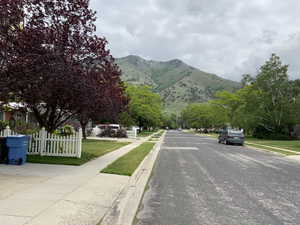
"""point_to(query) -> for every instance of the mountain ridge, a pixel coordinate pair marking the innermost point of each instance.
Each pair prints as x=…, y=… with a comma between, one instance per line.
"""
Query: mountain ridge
x=177, y=82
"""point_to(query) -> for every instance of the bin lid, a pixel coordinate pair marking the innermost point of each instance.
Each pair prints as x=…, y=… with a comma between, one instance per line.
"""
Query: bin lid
x=17, y=136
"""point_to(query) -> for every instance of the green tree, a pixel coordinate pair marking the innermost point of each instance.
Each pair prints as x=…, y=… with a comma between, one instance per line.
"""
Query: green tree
x=276, y=99
x=172, y=121
x=267, y=105
x=145, y=107
x=204, y=115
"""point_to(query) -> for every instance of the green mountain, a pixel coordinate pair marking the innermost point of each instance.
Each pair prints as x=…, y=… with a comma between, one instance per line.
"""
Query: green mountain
x=178, y=83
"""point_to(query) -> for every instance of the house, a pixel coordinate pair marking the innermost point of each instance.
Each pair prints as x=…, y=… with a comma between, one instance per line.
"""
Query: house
x=15, y=112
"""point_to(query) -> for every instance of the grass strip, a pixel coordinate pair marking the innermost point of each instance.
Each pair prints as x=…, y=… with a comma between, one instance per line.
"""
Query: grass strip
x=154, y=139
x=271, y=149
x=91, y=149
x=211, y=135
x=127, y=164
x=293, y=145
x=145, y=133
x=158, y=135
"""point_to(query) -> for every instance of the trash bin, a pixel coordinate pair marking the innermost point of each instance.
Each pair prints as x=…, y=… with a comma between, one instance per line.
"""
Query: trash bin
x=17, y=149
x=3, y=150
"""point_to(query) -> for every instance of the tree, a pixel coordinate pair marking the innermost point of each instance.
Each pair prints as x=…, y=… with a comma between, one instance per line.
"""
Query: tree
x=50, y=58
x=267, y=104
x=101, y=101
x=247, y=80
x=276, y=100
x=204, y=115
x=144, y=106
x=171, y=121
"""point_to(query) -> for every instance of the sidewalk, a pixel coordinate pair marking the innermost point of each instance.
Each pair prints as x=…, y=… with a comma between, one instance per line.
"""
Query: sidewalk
x=39, y=194
x=125, y=207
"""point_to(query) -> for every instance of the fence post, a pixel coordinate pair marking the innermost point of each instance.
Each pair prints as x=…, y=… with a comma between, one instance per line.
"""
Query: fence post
x=7, y=131
x=79, y=143
x=43, y=137
x=135, y=132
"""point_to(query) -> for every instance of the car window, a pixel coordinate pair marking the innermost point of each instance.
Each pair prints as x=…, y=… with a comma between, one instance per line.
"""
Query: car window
x=236, y=133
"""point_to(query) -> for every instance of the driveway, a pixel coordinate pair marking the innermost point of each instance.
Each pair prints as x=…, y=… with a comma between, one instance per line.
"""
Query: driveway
x=197, y=181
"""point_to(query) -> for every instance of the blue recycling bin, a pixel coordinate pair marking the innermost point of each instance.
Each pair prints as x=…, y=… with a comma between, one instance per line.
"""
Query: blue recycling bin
x=17, y=149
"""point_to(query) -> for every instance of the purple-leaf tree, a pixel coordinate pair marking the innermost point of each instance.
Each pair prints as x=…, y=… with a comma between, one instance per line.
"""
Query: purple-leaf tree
x=47, y=61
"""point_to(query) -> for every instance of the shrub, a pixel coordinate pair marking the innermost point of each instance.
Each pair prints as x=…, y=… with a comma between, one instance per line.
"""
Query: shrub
x=3, y=125
x=21, y=127
x=66, y=130
x=108, y=133
x=262, y=133
x=121, y=133
x=89, y=131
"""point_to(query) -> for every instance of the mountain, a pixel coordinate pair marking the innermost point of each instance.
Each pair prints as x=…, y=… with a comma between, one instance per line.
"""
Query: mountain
x=176, y=82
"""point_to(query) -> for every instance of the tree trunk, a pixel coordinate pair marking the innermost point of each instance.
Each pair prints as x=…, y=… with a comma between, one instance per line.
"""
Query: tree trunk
x=83, y=126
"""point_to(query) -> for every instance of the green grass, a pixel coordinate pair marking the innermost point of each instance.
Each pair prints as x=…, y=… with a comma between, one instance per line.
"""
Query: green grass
x=270, y=149
x=213, y=135
x=127, y=164
x=145, y=133
x=154, y=139
x=91, y=149
x=158, y=135
x=190, y=131
x=289, y=144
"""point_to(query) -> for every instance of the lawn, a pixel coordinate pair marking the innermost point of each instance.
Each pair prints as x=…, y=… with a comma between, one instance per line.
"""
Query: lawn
x=158, y=135
x=127, y=164
x=91, y=149
x=213, y=135
x=146, y=133
x=270, y=149
x=290, y=144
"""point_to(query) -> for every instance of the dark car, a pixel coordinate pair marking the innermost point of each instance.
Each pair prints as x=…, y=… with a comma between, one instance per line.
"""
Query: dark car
x=231, y=137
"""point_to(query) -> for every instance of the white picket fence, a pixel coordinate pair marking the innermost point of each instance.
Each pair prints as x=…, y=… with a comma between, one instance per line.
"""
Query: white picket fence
x=47, y=144
x=132, y=133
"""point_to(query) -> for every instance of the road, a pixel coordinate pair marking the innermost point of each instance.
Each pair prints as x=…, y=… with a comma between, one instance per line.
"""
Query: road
x=197, y=181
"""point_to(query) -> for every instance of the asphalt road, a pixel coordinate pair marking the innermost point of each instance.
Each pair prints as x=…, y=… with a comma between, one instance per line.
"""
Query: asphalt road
x=198, y=181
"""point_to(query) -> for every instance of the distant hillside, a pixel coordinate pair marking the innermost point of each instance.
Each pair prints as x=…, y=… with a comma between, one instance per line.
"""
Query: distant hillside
x=177, y=82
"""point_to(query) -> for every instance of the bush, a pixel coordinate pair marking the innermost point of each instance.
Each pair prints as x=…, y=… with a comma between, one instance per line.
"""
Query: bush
x=3, y=125
x=66, y=130
x=262, y=133
x=21, y=127
x=89, y=132
x=120, y=133
x=108, y=133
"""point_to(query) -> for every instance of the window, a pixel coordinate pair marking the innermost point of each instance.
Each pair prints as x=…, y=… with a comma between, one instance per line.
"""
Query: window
x=1, y=115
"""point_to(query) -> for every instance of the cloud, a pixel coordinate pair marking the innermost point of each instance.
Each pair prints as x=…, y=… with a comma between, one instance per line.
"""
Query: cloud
x=226, y=37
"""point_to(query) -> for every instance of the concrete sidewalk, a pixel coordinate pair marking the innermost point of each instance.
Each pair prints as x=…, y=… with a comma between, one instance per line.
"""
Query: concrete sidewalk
x=39, y=194
x=124, y=209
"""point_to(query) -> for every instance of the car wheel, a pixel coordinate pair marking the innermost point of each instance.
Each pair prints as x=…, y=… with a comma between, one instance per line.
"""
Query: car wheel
x=226, y=142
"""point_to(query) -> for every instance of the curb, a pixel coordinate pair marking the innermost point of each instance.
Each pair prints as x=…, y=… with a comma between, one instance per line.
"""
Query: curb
x=125, y=207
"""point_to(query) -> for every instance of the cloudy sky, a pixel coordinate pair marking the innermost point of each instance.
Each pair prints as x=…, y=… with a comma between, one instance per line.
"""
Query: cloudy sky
x=225, y=37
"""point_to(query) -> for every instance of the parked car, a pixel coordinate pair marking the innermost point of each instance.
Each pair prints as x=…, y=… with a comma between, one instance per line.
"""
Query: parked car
x=98, y=129
x=230, y=136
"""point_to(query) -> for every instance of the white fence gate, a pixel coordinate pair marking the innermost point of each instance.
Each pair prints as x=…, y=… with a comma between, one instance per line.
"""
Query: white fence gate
x=46, y=144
